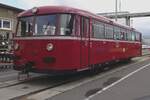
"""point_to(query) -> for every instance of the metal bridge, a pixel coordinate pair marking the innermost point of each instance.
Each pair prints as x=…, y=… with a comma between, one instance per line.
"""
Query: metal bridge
x=125, y=15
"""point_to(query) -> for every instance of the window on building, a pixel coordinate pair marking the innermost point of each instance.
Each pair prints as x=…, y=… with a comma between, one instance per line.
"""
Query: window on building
x=108, y=31
x=98, y=29
x=5, y=24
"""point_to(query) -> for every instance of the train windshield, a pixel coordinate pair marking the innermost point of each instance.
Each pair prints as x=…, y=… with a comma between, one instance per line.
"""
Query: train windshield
x=46, y=25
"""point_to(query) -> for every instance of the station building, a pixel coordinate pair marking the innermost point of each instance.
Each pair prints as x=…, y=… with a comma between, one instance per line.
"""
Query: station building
x=8, y=20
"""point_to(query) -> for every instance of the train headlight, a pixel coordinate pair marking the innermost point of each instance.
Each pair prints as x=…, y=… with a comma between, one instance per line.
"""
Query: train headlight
x=49, y=47
x=16, y=46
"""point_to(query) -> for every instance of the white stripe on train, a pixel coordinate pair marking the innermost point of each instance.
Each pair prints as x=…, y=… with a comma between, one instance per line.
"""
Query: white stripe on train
x=69, y=38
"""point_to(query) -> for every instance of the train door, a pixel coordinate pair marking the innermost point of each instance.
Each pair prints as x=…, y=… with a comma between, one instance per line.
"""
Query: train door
x=84, y=30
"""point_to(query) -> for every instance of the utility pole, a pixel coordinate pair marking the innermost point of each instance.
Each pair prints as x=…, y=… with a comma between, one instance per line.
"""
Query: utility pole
x=119, y=5
x=116, y=9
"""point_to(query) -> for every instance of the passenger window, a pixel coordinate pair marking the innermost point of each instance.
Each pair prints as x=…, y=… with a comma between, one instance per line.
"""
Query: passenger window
x=133, y=36
x=137, y=37
x=125, y=35
x=109, y=31
x=116, y=33
x=122, y=34
x=98, y=29
x=129, y=35
x=77, y=26
x=84, y=26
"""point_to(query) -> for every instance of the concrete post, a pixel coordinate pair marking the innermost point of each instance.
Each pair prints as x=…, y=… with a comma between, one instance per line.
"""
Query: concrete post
x=127, y=20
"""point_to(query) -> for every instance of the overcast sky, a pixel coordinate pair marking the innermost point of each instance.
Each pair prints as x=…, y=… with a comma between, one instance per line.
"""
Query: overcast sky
x=95, y=6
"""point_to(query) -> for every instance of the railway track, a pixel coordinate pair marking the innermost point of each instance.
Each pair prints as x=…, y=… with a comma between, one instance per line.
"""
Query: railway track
x=23, y=89
x=74, y=79
x=34, y=85
x=18, y=90
x=52, y=93
x=14, y=81
x=58, y=83
x=52, y=83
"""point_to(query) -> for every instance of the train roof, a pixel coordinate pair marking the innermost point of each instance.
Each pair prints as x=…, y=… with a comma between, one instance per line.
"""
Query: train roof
x=59, y=9
x=63, y=9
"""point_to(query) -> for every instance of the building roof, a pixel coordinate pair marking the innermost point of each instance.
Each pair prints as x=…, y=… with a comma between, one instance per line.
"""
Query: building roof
x=10, y=7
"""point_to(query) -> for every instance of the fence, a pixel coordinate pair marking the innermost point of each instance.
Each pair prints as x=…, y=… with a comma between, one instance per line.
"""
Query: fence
x=6, y=61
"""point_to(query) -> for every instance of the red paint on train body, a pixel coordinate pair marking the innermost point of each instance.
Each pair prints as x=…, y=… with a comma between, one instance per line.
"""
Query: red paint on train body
x=74, y=43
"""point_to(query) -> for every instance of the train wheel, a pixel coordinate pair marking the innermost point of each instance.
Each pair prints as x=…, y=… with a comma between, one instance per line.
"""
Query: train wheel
x=128, y=60
x=95, y=69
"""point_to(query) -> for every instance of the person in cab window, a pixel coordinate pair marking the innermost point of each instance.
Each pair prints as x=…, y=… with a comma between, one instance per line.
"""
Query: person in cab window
x=49, y=30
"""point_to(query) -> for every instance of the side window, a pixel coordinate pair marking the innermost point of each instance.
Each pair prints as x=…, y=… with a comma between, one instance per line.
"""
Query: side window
x=133, y=36
x=26, y=26
x=86, y=24
x=117, y=33
x=84, y=27
x=77, y=26
x=66, y=24
x=98, y=29
x=129, y=35
x=108, y=31
x=123, y=34
x=137, y=36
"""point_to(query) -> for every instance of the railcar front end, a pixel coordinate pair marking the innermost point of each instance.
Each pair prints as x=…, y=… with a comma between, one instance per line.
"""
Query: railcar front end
x=46, y=44
x=65, y=40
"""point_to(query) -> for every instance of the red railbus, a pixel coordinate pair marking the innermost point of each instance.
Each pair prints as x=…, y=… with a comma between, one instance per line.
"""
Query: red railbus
x=56, y=39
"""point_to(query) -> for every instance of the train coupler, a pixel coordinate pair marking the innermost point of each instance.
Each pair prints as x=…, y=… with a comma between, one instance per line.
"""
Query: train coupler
x=24, y=74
